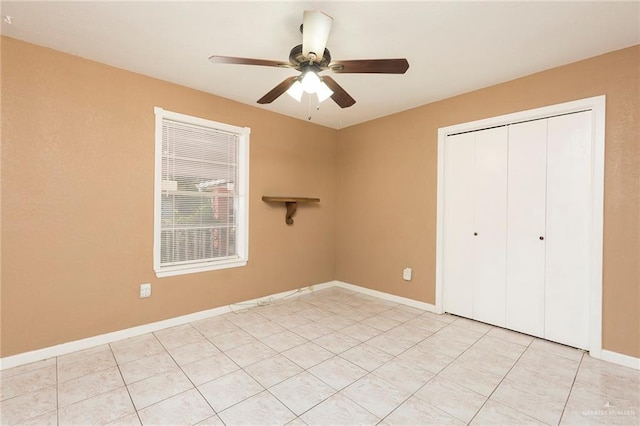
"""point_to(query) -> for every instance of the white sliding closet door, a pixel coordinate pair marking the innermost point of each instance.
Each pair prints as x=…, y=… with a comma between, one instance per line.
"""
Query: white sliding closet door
x=526, y=224
x=567, y=240
x=490, y=225
x=458, y=227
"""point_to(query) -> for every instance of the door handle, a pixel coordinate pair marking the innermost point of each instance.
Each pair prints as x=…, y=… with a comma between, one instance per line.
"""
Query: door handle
x=541, y=238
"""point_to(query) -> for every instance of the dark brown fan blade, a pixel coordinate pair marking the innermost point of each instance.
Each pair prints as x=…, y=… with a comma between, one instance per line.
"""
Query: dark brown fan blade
x=372, y=66
x=277, y=91
x=248, y=61
x=340, y=96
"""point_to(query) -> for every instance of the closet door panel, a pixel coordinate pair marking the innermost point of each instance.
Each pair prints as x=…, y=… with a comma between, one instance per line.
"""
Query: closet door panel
x=458, y=224
x=567, y=242
x=526, y=196
x=490, y=210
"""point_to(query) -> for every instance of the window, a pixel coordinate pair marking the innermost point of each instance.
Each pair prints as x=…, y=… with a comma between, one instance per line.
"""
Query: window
x=201, y=195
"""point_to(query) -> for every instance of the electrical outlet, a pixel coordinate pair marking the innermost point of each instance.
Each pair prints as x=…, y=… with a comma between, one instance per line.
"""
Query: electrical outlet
x=145, y=290
x=406, y=274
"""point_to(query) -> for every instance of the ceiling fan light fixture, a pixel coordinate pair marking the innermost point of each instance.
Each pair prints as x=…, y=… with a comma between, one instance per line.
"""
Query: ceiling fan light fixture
x=310, y=82
x=311, y=58
x=323, y=92
x=295, y=91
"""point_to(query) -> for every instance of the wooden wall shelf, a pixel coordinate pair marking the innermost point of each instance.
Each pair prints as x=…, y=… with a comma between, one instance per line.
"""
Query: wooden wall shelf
x=291, y=203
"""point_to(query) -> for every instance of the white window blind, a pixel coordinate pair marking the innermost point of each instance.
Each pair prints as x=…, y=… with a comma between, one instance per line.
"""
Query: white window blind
x=201, y=219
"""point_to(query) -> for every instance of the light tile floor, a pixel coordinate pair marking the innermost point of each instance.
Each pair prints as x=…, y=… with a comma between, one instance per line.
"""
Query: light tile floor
x=331, y=357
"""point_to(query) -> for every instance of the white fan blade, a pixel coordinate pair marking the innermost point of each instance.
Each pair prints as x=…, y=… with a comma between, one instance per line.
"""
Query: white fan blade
x=315, y=32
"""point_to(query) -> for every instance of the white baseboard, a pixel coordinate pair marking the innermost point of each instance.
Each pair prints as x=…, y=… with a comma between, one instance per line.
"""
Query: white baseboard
x=89, y=342
x=605, y=355
x=620, y=359
x=392, y=297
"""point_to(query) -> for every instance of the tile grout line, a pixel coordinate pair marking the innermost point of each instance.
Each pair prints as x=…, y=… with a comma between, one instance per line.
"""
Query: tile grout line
x=436, y=374
x=499, y=383
x=137, y=381
x=573, y=382
x=58, y=382
x=240, y=368
x=281, y=354
x=333, y=356
x=15, y=376
x=135, y=409
x=312, y=321
x=393, y=358
x=189, y=378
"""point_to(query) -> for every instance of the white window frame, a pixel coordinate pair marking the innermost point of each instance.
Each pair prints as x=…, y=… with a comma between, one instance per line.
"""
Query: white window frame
x=242, y=231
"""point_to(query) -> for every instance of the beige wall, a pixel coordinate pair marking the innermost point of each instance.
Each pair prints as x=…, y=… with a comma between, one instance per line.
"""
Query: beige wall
x=77, y=201
x=386, y=197
x=77, y=195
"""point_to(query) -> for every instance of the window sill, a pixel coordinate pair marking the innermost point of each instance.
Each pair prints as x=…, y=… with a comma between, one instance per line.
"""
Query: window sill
x=170, y=271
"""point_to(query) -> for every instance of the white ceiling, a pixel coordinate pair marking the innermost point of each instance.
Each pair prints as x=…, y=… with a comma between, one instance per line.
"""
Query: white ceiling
x=452, y=47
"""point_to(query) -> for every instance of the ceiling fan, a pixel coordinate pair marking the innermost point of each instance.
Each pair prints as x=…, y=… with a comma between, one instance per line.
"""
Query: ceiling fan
x=305, y=58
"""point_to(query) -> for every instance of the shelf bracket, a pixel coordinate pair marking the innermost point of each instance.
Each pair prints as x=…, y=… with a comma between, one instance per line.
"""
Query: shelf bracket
x=292, y=206
x=291, y=203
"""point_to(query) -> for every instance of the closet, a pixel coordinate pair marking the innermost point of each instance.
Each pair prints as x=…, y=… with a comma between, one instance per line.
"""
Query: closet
x=516, y=226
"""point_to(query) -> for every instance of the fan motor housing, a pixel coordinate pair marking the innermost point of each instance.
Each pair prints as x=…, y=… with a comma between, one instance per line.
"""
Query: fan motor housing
x=299, y=61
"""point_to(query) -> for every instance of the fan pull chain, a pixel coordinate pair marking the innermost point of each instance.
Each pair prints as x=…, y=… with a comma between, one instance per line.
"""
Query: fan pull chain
x=309, y=107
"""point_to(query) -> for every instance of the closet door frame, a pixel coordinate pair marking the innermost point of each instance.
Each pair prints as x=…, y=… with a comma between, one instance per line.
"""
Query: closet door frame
x=597, y=107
